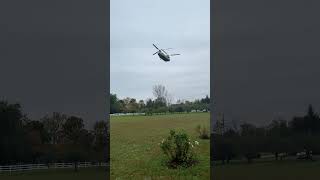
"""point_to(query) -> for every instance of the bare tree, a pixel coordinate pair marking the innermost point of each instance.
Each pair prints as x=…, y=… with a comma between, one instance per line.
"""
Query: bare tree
x=160, y=93
x=169, y=99
x=53, y=125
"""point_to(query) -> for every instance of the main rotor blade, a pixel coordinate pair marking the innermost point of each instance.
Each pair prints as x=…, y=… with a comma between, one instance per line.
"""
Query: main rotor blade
x=167, y=49
x=174, y=54
x=164, y=51
x=156, y=53
x=155, y=46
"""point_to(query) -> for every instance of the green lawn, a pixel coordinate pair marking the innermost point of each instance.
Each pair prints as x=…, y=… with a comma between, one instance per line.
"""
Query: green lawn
x=135, y=153
x=286, y=170
x=61, y=174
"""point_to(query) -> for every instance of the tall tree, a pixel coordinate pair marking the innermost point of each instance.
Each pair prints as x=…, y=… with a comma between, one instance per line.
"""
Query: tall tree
x=141, y=105
x=160, y=93
x=72, y=129
x=149, y=106
x=308, y=124
x=13, y=144
x=114, y=104
x=169, y=99
x=101, y=139
x=36, y=132
x=132, y=106
x=149, y=103
x=206, y=100
x=101, y=134
x=312, y=121
x=122, y=106
x=53, y=125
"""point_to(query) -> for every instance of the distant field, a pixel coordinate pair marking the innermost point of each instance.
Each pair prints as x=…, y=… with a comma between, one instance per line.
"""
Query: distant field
x=135, y=153
x=285, y=170
x=61, y=174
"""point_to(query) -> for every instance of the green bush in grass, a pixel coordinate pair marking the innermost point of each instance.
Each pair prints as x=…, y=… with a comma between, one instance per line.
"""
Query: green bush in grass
x=179, y=149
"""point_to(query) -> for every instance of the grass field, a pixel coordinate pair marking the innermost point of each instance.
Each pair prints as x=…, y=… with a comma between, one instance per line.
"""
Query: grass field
x=61, y=174
x=135, y=153
x=285, y=170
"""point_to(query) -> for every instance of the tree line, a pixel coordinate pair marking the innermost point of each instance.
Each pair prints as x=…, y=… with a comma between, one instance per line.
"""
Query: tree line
x=162, y=103
x=54, y=138
x=280, y=136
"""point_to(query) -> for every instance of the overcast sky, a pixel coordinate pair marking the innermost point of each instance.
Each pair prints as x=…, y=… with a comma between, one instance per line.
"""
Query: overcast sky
x=53, y=57
x=266, y=59
x=183, y=25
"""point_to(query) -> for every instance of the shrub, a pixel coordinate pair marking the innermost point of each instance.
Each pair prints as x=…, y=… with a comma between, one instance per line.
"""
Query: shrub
x=203, y=132
x=179, y=149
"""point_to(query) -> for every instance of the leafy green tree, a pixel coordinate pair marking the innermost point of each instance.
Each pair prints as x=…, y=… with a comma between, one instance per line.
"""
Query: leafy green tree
x=308, y=124
x=114, y=104
x=149, y=106
x=122, y=106
x=13, y=146
x=312, y=121
x=72, y=129
x=141, y=105
x=205, y=100
x=159, y=102
x=101, y=139
x=132, y=106
x=179, y=108
x=101, y=136
x=36, y=132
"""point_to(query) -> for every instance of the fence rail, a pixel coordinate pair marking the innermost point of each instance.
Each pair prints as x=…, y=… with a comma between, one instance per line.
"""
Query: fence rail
x=157, y=113
x=30, y=167
x=127, y=114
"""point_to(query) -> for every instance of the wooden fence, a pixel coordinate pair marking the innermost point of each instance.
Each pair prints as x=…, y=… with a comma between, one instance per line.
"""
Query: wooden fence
x=31, y=167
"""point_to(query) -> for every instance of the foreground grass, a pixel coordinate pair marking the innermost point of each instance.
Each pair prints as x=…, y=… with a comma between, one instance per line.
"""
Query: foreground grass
x=286, y=170
x=60, y=174
x=135, y=153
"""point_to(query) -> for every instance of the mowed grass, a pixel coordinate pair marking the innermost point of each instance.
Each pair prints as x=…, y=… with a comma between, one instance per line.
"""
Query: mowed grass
x=60, y=174
x=286, y=170
x=135, y=152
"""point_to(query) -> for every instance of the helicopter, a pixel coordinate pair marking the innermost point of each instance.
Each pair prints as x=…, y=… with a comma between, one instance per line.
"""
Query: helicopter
x=163, y=54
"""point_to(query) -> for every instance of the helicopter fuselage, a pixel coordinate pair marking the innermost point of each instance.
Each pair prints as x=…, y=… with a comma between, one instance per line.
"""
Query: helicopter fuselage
x=164, y=56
